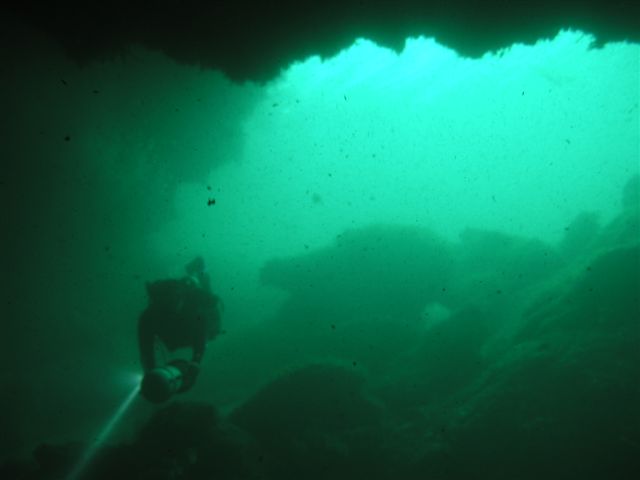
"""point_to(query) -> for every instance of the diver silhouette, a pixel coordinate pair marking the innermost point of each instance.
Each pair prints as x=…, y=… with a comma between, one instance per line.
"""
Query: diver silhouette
x=182, y=313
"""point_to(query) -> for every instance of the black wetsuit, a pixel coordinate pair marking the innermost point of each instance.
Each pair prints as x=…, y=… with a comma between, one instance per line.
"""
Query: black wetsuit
x=181, y=313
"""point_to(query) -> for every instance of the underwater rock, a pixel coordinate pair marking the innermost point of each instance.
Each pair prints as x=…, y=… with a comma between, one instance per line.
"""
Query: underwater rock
x=580, y=235
x=631, y=193
x=602, y=298
x=496, y=266
x=179, y=426
x=380, y=269
x=557, y=407
x=318, y=397
x=190, y=441
x=311, y=423
x=562, y=400
x=252, y=41
x=361, y=298
x=447, y=359
x=625, y=228
x=183, y=441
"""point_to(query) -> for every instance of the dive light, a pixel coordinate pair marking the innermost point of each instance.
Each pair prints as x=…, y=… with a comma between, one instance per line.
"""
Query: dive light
x=161, y=383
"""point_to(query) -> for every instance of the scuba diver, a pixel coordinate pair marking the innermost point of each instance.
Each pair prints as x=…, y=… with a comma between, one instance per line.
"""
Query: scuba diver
x=182, y=313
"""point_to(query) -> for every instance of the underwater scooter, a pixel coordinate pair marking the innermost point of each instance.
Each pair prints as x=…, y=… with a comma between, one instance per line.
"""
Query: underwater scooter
x=161, y=383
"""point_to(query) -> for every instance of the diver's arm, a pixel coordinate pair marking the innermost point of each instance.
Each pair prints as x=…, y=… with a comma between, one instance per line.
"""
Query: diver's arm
x=192, y=368
x=205, y=282
x=198, y=349
x=146, y=339
x=206, y=315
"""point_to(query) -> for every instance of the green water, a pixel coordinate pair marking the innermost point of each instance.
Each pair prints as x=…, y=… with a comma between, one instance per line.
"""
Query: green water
x=80, y=468
x=430, y=265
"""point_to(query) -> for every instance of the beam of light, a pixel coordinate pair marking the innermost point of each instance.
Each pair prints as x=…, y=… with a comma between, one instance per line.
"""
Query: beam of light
x=99, y=441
